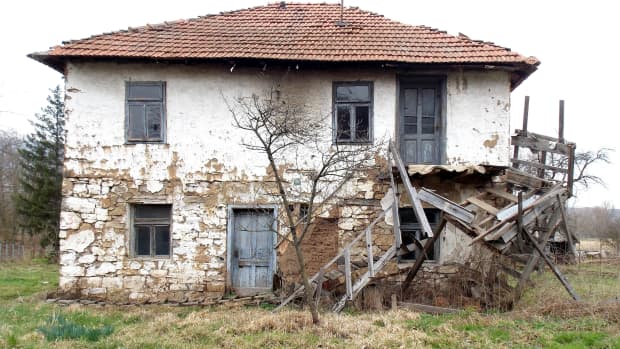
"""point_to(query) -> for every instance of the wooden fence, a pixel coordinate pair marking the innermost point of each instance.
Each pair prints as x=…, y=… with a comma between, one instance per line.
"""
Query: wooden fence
x=11, y=250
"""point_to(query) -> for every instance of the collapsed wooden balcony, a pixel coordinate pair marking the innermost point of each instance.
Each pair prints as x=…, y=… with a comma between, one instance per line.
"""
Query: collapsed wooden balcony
x=514, y=216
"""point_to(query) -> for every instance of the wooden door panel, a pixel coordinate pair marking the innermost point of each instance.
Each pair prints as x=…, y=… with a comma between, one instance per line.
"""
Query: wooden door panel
x=419, y=122
x=252, y=257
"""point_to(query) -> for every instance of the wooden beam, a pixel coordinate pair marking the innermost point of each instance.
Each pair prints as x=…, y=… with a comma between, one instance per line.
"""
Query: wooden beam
x=539, y=144
x=539, y=165
x=561, y=123
x=502, y=194
x=422, y=256
x=571, y=169
x=569, y=235
x=553, y=268
x=430, y=309
x=413, y=194
x=398, y=239
x=526, y=110
x=524, y=179
x=446, y=205
x=347, y=272
x=483, y=205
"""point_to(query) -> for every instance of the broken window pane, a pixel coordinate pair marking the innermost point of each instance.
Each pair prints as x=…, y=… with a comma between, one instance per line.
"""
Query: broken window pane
x=162, y=240
x=343, y=120
x=361, y=123
x=143, y=240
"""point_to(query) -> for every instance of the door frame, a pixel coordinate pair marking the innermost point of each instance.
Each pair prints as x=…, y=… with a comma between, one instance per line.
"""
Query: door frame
x=441, y=80
x=230, y=227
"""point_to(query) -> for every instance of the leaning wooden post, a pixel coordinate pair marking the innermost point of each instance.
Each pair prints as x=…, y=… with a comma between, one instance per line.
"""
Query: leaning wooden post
x=571, y=168
x=421, y=257
x=555, y=270
x=526, y=108
x=561, y=123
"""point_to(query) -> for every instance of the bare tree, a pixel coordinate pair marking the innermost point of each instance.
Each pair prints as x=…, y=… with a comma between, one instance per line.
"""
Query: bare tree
x=583, y=166
x=9, y=166
x=300, y=143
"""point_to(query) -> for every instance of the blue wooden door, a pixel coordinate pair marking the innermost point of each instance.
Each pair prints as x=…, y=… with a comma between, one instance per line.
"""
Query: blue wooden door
x=253, y=249
x=420, y=132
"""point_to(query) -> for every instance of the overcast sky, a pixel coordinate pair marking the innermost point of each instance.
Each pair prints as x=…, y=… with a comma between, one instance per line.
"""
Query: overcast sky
x=575, y=40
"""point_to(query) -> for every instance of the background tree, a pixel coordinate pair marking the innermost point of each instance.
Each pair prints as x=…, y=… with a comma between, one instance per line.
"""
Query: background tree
x=9, y=164
x=301, y=143
x=40, y=178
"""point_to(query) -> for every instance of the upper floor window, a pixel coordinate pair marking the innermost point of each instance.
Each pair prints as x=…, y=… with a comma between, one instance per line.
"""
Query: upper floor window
x=352, y=112
x=145, y=109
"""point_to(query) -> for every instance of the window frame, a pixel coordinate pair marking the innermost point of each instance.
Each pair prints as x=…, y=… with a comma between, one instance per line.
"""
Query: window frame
x=434, y=217
x=369, y=103
x=145, y=101
x=152, y=223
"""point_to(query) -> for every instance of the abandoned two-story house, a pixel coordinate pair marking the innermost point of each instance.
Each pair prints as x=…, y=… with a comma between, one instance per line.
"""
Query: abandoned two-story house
x=160, y=198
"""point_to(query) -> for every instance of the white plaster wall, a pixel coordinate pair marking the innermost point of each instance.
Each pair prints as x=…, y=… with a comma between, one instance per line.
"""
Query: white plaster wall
x=478, y=118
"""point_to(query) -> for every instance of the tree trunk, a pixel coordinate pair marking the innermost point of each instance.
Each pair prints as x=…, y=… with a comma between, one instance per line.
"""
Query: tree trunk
x=304, y=277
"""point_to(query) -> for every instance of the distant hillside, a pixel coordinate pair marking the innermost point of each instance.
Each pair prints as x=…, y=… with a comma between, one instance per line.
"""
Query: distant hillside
x=592, y=222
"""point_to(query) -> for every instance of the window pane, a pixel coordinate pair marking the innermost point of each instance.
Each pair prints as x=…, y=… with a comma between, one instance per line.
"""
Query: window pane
x=353, y=93
x=143, y=240
x=137, y=129
x=152, y=211
x=428, y=125
x=362, y=121
x=411, y=101
x=153, y=118
x=411, y=125
x=428, y=101
x=162, y=240
x=343, y=121
x=145, y=91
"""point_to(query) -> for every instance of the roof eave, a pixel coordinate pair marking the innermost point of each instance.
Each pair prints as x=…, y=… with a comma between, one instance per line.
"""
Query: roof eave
x=55, y=62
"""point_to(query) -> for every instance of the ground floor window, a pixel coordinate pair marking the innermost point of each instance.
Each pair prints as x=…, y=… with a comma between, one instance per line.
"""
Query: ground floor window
x=411, y=231
x=151, y=230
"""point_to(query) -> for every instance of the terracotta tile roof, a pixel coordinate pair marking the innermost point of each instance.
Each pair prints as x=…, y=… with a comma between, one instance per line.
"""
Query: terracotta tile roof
x=295, y=31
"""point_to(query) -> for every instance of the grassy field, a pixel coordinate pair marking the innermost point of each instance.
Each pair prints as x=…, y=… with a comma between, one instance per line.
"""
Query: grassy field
x=546, y=318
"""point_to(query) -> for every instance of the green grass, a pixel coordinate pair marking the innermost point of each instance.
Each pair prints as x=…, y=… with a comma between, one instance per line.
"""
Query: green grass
x=26, y=321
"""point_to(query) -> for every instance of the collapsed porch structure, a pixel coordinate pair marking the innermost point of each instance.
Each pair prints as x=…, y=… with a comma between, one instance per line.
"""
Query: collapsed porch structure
x=513, y=217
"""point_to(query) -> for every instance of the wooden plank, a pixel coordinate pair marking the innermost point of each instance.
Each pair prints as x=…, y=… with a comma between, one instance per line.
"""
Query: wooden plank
x=422, y=256
x=571, y=169
x=510, y=211
x=567, y=232
x=561, y=123
x=347, y=272
x=364, y=279
x=413, y=194
x=300, y=289
x=553, y=268
x=526, y=110
x=429, y=309
x=398, y=239
x=502, y=194
x=524, y=179
x=371, y=269
x=550, y=194
x=483, y=205
x=537, y=144
x=539, y=165
x=446, y=205
x=543, y=162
